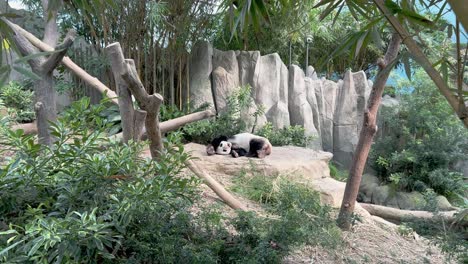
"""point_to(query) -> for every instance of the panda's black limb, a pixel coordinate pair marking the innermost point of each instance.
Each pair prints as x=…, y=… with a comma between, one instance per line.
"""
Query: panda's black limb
x=255, y=146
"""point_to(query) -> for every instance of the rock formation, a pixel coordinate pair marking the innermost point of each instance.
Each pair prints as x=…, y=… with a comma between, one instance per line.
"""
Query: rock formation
x=330, y=111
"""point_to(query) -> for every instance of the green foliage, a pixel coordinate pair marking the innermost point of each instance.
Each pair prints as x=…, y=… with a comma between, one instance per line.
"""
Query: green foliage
x=337, y=173
x=292, y=135
x=229, y=122
x=66, y=203
x=296, y=218
x=422, y=140
x=19, y=102
x=103, y=116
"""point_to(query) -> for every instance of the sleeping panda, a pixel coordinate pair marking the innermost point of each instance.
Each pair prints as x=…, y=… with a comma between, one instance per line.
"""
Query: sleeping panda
x=244, y=144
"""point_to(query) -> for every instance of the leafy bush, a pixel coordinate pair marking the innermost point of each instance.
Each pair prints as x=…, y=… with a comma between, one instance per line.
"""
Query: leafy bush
x=422, y=141
x=233, y=121
x=79, y=201
x=229, y=122
x=19, y=102
x=292, y=135
x=297, y=218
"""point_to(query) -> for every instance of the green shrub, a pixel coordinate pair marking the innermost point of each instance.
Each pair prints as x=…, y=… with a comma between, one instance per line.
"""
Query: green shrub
x=337, y=173
x=292, y=135
x=19, y=102
x=66, y=203
x=297, y=218
x=229, y=122
x=422, y=141
x=232, y=121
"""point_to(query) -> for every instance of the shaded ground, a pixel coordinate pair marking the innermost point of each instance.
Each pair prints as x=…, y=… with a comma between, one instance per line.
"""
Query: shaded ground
x=372, y=240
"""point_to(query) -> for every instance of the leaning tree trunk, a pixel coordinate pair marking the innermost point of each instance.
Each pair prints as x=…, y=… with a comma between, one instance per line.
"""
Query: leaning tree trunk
x=45, y=102
x=457, y=105
x=367, y=134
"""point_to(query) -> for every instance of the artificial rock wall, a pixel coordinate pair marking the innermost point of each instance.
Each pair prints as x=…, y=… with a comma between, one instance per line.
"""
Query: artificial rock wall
x=330, y=111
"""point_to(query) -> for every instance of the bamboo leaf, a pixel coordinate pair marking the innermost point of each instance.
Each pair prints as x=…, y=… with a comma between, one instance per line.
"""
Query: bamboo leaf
x=406, y=64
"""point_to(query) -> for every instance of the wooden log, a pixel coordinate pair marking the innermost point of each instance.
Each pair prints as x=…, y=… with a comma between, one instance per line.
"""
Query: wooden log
x=118, y=66
x=166, y=126
x=398, y=215
x=28, y=128
x=69, y=64
x=216, y=187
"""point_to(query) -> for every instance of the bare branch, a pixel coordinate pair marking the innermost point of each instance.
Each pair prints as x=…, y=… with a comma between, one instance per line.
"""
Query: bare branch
x=51, y=63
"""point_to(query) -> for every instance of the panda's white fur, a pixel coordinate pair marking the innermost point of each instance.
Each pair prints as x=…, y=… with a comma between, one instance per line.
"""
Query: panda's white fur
x=224, y=148
x=244, y=141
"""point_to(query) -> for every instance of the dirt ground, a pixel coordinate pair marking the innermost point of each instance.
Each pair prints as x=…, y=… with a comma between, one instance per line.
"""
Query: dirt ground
x=372, y=240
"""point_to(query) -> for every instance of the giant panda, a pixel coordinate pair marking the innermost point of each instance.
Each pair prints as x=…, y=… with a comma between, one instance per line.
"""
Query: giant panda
x=244, y=144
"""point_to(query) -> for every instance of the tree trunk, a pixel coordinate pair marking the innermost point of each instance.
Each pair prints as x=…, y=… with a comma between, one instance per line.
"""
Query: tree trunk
x=67, y=62
x=216, y=187
x=398, y=215
x=460, y=8
x=117, y=61
x=45, y=103
x=421, y=58
x=367, y=134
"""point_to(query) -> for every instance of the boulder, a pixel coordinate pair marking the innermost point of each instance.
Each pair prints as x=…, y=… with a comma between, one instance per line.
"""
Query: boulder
x=385, y=195
x=443, y=204
x=329, y=89
x=306, y=166
x=247, y=62
x=224, y=84
x=345, y=131
x=200, y=71
x=300, y=111
x=278, y=115
x=410, y=200
x=368, y=184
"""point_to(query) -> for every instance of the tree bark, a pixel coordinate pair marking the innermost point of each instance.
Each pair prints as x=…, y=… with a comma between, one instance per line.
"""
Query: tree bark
x=216, y=187
x=67, y=62
x=460, y=8
x=149, y=103
x=44, y=92
x=118, y=65
x=421, y=58
x=398, y=215
x=367, y=134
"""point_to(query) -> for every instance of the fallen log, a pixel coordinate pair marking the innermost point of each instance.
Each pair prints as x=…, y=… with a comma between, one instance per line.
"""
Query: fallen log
x=28, y=128
x=174, y=124
x=166, y=126
x=67, y=62
x=398, y=215
x=216, y=187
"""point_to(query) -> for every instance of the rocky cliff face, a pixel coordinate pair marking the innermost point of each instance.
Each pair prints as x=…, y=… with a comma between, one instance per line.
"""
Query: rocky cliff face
x=330, y=111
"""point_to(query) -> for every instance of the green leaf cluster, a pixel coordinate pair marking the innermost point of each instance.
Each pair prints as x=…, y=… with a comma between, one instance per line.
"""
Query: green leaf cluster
x=18, y=102
x=422, y=141
x=80, y=200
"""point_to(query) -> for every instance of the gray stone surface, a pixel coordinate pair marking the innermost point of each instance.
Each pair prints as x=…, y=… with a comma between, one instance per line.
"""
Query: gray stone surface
x=200, y=71
x=312, y=99
x=345, y=131
x=300, y=111
x=278, y=115
x=329, y=89
x=267, y=79
x=311, y=73
x=247, y=62
x=363, y=92
x=224, y=84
